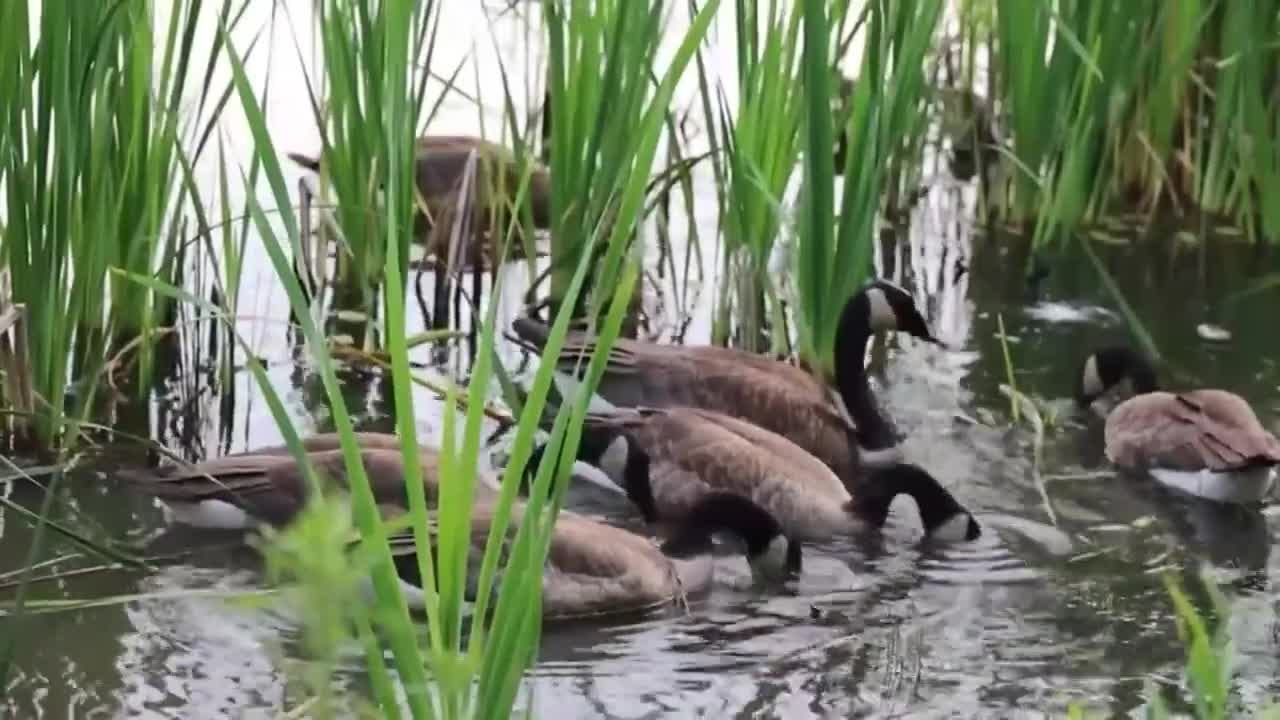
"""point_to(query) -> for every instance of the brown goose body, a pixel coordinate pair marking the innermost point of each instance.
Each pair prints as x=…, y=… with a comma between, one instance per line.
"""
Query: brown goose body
x=267, y=485
x=690, y=452
x=1205, y=442
x=439, y=168
x=772, y=394
x=592, y=568
x=783, y=399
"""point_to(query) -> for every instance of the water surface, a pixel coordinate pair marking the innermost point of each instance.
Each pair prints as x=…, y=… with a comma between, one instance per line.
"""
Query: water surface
x=1061, y=599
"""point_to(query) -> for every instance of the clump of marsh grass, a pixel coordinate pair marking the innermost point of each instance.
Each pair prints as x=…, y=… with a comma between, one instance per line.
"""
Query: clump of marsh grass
x=762, y=144
x=833, y=255
x=1149, y=104
x=358, y=45
x=601, y=77
x=98, y=134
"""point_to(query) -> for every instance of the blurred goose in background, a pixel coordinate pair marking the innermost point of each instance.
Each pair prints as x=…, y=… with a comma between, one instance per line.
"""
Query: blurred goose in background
x=841, y=426
x=440, y=165
x=1205, y=442
x=687, y=453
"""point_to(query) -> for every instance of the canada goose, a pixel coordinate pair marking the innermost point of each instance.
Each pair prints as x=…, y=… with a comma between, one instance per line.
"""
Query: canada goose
x=236, y=492
x=669, y=458
x=1204, y=442
x=440, y=164
x=770, y=393
x=592, y=568
x=595, y=569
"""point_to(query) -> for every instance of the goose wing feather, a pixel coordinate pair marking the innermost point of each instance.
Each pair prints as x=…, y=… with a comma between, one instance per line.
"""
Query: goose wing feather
x=596, y=569
x=592, y=569
x=811, y=424
x=695, y=451
x=732, y=454
x=778, y=396
x=1198, y=430
x=637, y=361
x=324, y=442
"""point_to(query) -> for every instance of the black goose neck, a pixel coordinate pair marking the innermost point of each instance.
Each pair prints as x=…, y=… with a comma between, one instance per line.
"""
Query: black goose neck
x=637, y=484
x=873, y=431
x=935, y=504
x=723, y=512
x=1113, y=365
x=1142, y=375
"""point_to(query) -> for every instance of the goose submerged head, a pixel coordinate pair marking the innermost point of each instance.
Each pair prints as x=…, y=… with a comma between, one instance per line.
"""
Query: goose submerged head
x=943, y=517
x=771, y=555
x=1107, y=368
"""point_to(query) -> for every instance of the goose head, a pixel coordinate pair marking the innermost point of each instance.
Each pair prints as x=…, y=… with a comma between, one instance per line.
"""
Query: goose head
x=1106, y=369
x=770, y=553
x=943, y=517
x=883, y=306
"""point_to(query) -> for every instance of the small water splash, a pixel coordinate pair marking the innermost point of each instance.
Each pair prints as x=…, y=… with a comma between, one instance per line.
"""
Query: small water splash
x=1057, y=311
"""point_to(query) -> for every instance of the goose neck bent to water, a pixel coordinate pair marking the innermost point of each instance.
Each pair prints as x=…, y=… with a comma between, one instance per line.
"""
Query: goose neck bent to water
x=942, y=516
x=770, y=553
x=1117, y=371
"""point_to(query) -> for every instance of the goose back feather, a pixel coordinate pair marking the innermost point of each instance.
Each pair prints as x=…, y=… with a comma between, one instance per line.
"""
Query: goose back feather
x=1196, y=430
x=690, y=452
x=239, y=491
x=778, y=396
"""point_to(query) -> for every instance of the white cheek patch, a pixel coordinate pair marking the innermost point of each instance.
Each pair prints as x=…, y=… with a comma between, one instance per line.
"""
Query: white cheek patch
x=882, y=315
x=1091, y=382
x=773, y=561
x=954, y=529
x=614, y=460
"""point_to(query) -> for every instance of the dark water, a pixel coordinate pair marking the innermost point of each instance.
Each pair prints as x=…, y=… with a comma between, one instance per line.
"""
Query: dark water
x=1062, y=599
